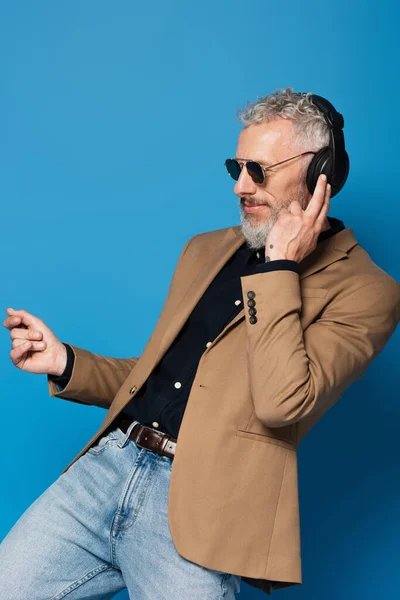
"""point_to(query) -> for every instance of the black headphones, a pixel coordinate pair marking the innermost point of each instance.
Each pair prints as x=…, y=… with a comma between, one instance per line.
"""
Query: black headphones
x=332, y=160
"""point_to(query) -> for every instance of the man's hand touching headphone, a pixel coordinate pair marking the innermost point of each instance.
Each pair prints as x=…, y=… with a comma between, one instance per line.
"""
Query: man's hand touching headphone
x=295, y=233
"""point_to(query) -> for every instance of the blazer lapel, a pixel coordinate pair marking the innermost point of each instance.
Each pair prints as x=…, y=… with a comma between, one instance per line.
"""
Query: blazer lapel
x=328, y=251
x=214, y=258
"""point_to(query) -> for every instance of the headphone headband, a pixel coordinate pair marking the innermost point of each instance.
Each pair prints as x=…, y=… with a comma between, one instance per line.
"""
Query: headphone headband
x=334, y=119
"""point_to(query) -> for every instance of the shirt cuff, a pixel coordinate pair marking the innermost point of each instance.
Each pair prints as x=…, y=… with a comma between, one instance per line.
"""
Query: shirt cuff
x=278, y=265
x=63, y=379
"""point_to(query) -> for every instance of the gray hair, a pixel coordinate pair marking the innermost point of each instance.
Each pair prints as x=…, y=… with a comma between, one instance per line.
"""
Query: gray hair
x=310, y=130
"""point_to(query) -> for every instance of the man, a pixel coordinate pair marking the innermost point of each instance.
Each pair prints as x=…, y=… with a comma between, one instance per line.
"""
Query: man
x=190, y=484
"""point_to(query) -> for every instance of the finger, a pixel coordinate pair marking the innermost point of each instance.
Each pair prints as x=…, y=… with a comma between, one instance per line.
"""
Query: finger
x=295, y=208
x=18, y=354
x=10, y=312
x=36, y=346
x=11, y=322
x=317, y=200
x=26, y=334
x=25, y=318
x=325, y=209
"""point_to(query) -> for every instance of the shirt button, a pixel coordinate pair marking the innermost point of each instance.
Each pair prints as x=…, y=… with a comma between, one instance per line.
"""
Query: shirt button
x=251, y=294
x=177, y=384
x=155, y=424
x=133, y=389
x=237, y=302
x=258, y=254
x=208, y=344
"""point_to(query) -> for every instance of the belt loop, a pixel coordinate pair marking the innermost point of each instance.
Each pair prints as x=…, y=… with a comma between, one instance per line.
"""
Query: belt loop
x=125, y=439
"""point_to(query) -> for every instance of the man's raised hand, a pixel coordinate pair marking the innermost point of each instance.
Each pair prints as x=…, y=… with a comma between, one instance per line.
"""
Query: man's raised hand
x=295, y=233
x=35, y=348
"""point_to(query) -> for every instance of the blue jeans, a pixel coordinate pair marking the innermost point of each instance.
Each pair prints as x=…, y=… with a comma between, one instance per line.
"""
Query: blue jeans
x=102, y=527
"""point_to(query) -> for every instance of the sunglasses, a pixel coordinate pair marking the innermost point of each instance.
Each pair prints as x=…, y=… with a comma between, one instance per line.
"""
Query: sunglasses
x=256, y=171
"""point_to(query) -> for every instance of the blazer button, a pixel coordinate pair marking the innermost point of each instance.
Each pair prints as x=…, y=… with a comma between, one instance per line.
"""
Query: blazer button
x=251, y=302
x=251, y=294
x=133, y=389
x=253, y=320
x=252, y=311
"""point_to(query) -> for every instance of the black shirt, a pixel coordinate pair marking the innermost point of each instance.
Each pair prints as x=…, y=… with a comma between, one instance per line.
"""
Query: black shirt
x=161, y=401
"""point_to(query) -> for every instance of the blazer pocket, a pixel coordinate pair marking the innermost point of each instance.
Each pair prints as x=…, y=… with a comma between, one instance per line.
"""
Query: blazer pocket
x=259, y=437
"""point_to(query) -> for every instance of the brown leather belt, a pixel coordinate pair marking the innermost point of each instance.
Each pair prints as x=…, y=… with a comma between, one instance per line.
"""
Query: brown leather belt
x=149, y=438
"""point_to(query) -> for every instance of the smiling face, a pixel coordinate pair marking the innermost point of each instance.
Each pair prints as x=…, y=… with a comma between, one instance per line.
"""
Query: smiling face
x=269, y=143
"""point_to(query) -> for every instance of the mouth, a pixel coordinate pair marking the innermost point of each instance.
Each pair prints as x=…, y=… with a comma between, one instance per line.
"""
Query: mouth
x=253, y=207
x=247, y=203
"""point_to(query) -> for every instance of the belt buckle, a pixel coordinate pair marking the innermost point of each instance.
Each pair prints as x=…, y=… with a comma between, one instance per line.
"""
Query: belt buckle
x=136, y=438
x=140, y=445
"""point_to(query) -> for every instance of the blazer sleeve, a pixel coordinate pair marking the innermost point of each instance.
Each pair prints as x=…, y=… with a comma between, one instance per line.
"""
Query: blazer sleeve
x=96, y=379
x=294, y=373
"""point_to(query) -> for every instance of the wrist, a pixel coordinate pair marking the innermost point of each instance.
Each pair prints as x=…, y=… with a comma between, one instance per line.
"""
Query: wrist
x=270, y=257
x=61, y=362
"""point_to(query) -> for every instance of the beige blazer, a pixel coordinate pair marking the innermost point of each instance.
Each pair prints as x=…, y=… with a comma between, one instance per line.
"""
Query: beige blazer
x=259, y=388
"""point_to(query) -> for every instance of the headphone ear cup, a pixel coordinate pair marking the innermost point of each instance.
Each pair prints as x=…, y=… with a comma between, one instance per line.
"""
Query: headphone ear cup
x=343, y=166
x=321, y=163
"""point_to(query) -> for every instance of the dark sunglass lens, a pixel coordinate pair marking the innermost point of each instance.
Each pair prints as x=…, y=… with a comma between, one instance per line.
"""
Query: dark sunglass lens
x=233, y=168
x=255, y=171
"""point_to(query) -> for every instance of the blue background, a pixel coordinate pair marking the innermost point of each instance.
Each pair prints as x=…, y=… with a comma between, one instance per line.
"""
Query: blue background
x=115, y=122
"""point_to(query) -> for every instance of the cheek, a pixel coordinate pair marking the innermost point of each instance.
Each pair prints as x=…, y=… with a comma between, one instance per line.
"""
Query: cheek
x=269, y=193
x=280, y=189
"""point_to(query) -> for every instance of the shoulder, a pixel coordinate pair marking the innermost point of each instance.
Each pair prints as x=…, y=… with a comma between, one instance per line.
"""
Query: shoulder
x=358, y=281
x=364, y=271
x=215, y=234
x=212, y=238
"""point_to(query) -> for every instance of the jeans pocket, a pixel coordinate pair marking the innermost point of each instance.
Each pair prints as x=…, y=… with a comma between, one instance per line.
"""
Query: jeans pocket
x=105, y=441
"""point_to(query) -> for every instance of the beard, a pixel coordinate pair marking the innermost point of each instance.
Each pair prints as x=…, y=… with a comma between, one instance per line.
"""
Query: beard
x=256, y=230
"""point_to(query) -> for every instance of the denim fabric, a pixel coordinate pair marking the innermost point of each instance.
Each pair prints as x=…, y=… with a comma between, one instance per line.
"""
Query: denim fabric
x=102, y=527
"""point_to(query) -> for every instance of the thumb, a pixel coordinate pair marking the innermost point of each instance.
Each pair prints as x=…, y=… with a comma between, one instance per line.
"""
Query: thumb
x=26, y=318
x=295, y=208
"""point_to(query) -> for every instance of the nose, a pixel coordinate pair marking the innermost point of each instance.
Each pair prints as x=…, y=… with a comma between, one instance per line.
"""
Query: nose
x=244, y=186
